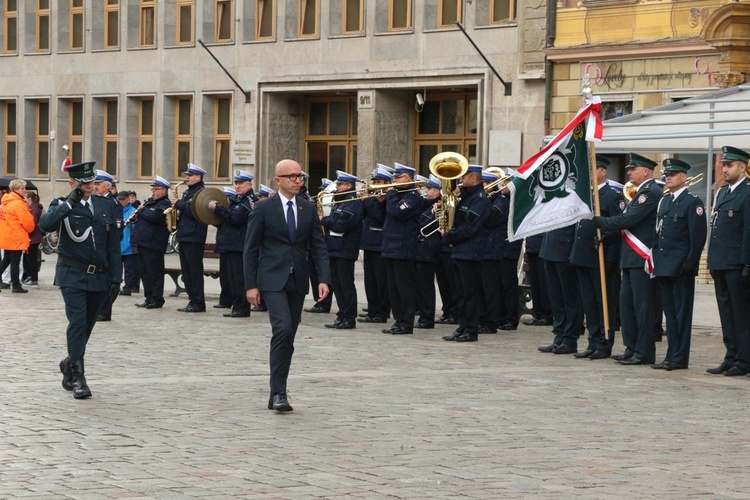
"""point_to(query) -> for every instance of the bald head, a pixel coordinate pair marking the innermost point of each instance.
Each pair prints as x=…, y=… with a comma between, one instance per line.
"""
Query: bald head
x=285, y=169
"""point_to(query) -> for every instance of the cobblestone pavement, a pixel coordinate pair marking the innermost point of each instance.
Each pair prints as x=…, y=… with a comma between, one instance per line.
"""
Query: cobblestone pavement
x=179, y=410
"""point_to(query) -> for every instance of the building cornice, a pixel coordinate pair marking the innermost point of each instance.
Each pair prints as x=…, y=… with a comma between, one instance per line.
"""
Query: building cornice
x=629, y=51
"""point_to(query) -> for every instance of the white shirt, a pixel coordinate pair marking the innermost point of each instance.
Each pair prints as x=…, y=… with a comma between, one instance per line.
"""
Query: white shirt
x=285, y=206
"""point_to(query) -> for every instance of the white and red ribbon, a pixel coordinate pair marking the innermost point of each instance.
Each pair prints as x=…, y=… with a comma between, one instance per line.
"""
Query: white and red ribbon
x=641, y=249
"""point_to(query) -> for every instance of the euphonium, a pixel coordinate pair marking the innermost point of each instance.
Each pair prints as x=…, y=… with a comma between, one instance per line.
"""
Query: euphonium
x=629, y=190
x=171, y=213
x=448, y=166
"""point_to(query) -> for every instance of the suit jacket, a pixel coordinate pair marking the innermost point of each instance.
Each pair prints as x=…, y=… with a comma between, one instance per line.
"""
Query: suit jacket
x=729, y=247
x=269, y=252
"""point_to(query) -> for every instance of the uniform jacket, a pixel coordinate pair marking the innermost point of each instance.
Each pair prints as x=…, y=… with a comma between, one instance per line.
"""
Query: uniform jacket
x=680, y=234
x=585, y=252
x=428, y=249
x=468, y=235
x=119, y=211
x=498, y=247
x=639, y=217
x=344, y=227
x=611, y=203
x=558, y=244
x=230, y=237
x=401, y=227
x=729, y=247
x=534, y=244
x=16, y=222
x=269, y=252
x=372, y=225
x=189, y=230
x=99, y=243
x=150, y=229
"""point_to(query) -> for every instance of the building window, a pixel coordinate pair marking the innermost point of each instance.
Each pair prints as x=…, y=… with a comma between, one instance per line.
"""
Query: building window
x=502, y=11
x=183, y=148
x=10, y=38
x=185, y=9
x=615, y=109
x=42, y=26
x=353, y=16
x=110, y=136
x=330, y=136
x=399, y=17
x=146, y=138
x=42, y=138
x=222, y=136
x=76, y=24
x=147, y=28
x=265, y=19
x=75, y=116
x=112, y=24
x=308, y=18
x=224, y=20
x=449, y=11
x=9, y=138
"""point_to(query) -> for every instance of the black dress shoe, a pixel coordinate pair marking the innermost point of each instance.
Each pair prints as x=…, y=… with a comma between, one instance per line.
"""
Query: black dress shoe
x=235, y=314
x=191, y=309
x=564, y=349
x=486, y=329
x=317, y=308
x=735, y=371
x=401, y=331
x=373, y=319
x=4, y=286
x=453, y=336
x=631, y=361
x=67, y=372
x=623, y=356
x=584, y=354
x=280, y=402
x=425, y=326
x=152, y=305
x=600, y=355
x=675, y=366
x=143, y=304
x=660, y=366
x=537, y=322
x=547, y=348
x=103, y=318
x=221, y=306
x=388, y=330
x=335, y=323
x=125, y=291
x=467, y=337
x=19, y=290
x=719, y=369
x=508, y=326
x=447, y=320
x=346, y=324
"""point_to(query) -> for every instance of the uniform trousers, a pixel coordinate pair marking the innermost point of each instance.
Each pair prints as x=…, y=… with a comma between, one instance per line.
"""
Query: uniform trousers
x=151, y=268
x=236, y=275
x=402, y=278
x=109, y=298
x=226, y=295
x=677, y=298
x=591, y=300
x=565, y=299
x=284, y=314
x=509, y=292
x=637, y=314
x=470, y=284
x=733, y=299
x=448, y=285
x=344, y=289
x=132, y=276
x=376, y=284
x=81, y=308
x=425, y=292
x=314, y=282
x=538, y=282
x=191, y=263
x=492, y=287
x=614, y=282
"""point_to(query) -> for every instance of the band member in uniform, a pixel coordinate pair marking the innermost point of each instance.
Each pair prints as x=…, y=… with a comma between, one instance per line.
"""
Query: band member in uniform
x=375, y=275
x=88, y=265
x=541, y=308
x=428, y=251
x=680, y=236
x=729, y=261
x=510, y=252
x=400, y=232
x=492, y=283
x=103, y=183
x=636, y=293
x=264, y=192
x=279, y=232
x=151, y=237
x=191, y=236
x=468, y=238
x=320, y=306
x=230, y=240
x=226, y=297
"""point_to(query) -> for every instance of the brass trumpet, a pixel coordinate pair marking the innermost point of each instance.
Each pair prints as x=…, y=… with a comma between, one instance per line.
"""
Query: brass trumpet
x=629, y=189
x=171, y=213
x=447, y=167
x=689, y=182
x=373, y=191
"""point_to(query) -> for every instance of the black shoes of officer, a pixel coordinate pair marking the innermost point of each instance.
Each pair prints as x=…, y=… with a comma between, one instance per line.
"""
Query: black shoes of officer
x=537, y=322
x=317, y=308
x=564, y=349
x=632, y=360
x=670, y=366
x=508, y=326
x=373, y=319
x=660, y=366
x=486, y=329
x=467, y=337
x=19, y=289
x=80, y=388
x=600, y=355
x=280, y=403
x=397, y=330
x=621, y=357
x=335, y=324
x=447, y=320
x=103, y=318
x=191, y=309
x=423, y=325
x=547, y=348
x=735, y=372
x=719, y=369
x=125, y=291
x=67, y=373
x=221, y=306
x=4, y=286
x=235, y=314
x=584, y=354
x=453, y=336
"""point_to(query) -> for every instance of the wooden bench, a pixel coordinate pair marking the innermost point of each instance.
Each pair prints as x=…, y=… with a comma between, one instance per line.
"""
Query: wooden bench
x=176, y=272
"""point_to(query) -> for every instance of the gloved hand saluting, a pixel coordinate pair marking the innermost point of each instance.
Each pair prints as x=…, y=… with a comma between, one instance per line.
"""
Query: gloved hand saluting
x=75, y=196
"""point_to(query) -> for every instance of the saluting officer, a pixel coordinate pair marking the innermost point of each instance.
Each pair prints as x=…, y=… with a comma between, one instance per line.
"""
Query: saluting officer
x=468, y=239
x=230, y=239
x=191, y=236
x=344, y=227
x=151, y=236
x=637, y=292
x=426, y=258
x=680, y=235
x=88, y=265
x=729, y=261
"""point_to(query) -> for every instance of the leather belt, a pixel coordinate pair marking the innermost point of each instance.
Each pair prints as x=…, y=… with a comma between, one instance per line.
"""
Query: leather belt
x=82, y=266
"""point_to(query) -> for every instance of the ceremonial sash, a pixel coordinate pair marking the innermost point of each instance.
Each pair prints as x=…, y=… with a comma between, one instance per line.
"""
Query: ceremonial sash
x=641, y=249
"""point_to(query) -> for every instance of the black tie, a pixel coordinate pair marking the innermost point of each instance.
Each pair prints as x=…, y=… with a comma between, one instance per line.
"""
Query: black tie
x=290, y=223
x=88, y=205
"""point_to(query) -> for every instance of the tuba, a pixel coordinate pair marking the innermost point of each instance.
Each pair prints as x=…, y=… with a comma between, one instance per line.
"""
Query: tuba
x=448, y=166
x=171, y=213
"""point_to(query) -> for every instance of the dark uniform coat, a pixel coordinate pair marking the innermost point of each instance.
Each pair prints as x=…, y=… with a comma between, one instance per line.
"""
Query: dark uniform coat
x=230, y=237
x=401, y=226
x=344, y=227
x=468, y=237
x=189, y=230
x=150, y=229
x=680, y=235
x=372, y=225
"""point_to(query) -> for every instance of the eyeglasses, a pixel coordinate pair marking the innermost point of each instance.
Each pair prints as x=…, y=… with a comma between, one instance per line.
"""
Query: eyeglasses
x=293, y=177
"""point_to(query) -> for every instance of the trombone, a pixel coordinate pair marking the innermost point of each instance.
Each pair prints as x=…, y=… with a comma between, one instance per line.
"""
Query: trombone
x=689, y=182
x=629, y=189
x=374, y=190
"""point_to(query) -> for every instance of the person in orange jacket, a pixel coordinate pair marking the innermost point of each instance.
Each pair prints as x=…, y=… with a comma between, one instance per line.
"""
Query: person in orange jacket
x=16, y=222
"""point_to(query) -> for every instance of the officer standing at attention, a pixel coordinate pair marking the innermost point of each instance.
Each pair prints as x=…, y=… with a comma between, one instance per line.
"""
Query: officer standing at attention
x=680, y=235
x=344, y=227
x=428, y=252
x=729, y=261
x=103, y=183
x=191, y=235
x=88, y=265
x=637, y=290
x=230, y=240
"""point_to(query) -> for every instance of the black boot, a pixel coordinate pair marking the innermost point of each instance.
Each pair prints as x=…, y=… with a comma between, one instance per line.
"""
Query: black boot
x=67, y=381
x=80, y=389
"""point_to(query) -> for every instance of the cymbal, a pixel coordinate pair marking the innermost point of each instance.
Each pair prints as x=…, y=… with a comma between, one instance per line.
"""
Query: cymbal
x=200, y=206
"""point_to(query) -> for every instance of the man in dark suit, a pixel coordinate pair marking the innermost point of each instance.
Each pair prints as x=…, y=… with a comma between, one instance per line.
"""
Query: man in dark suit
x=680, y=236
x=637, y=293
x=88, y=265
x=729, y=261
x=279, y=232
